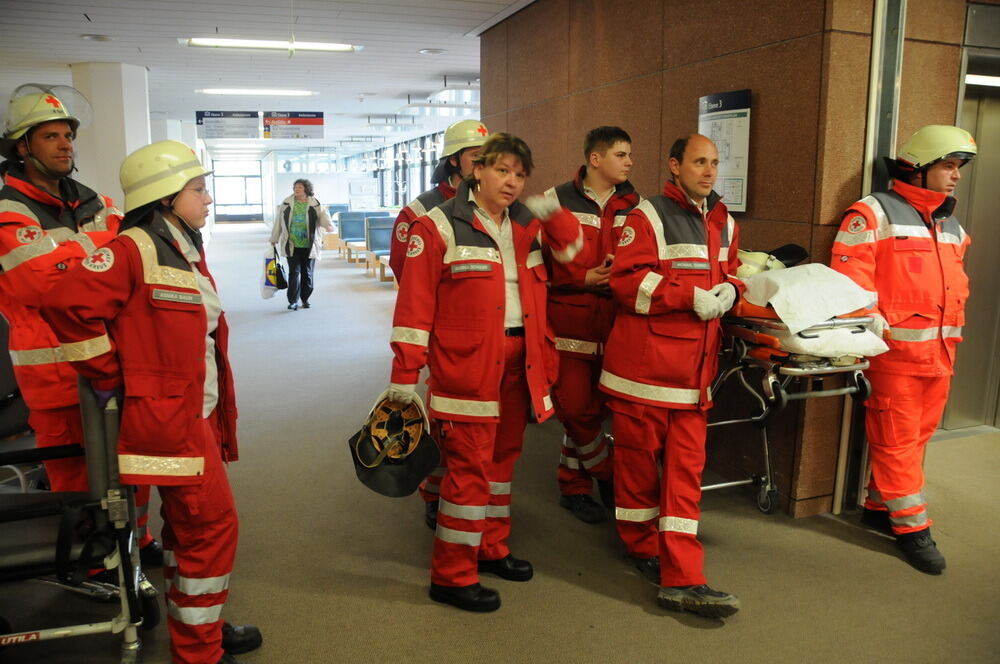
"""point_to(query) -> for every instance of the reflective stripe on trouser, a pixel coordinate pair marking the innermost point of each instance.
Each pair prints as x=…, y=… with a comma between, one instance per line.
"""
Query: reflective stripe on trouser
x=901, y=416
x=200, y=529
x=64, y=426
x=430, y=488
x=480, y=460
x=645, y=437
x=580, y=407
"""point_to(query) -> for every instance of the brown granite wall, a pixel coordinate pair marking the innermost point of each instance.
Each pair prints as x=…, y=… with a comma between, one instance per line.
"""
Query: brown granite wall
x=559, y=67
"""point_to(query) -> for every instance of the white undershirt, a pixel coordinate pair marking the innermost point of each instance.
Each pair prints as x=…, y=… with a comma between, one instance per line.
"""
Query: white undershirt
x=213, y=309
x=503, y=235
x=600, y=199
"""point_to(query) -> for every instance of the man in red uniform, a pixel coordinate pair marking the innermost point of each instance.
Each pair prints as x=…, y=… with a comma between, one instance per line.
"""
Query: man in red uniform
x=906, y=247
x=49, y=222
x=462, y=141
x=673, y=279
x=581, y=312
x=472, y=307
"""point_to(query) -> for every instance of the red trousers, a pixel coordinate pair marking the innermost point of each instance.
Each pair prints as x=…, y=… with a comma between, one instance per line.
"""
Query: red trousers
x=64, y=426
x=474, y=510
x=902, y=415
x=657, y=512
x=200, y=530
x=430, y=488
x=581, y=409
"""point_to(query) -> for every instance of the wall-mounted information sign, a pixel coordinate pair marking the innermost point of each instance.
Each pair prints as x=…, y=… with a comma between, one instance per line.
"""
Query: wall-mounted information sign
x=286, y=124
x=228, y=124
x=725, y=118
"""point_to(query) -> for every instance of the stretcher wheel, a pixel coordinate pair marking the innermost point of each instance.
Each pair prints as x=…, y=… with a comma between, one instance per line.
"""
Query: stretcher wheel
x=864, y=387
x=767, y=499
x=779, y=396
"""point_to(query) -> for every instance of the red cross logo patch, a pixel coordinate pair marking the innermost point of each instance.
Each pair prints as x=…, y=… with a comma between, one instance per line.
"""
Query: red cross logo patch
x=482, y=130
x=628, y=234
x=29, y=234
x=416, y=246
x=856, y=224
x=100, y=261
x=402, y=231
x=53, y=101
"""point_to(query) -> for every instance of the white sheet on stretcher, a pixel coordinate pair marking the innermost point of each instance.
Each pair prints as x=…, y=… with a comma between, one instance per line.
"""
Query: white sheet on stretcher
x=835, y=342
x=806, y=295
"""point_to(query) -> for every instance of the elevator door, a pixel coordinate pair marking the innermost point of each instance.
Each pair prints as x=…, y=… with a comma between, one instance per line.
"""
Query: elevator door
x=975, y=390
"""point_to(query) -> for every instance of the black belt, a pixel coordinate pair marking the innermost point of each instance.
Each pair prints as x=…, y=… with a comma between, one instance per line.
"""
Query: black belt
x=513, y=331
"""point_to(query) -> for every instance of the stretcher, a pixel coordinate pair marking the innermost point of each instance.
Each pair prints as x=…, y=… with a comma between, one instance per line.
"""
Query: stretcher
x=57, y=538
x=757, y=344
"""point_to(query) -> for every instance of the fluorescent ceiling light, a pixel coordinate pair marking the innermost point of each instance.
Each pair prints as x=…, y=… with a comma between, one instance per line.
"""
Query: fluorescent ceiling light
x=978, y=79
x=256, y=92
x=214, y=42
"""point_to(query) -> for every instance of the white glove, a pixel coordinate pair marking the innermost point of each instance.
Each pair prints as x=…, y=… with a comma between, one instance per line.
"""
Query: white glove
x=707, y=305
x=879, y=325
x=726, y=293
x=542, y=207
x=404, y=394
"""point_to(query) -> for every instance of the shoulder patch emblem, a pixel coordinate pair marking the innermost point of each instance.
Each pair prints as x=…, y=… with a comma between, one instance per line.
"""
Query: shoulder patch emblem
x=628, y=234
x=416, y=246
x=29, y=234
x=100, y=261
x=856, y=224
x=402, y=231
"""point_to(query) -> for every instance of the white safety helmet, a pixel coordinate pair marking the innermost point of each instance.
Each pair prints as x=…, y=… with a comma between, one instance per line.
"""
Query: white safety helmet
x=932, y=143
x=33, y=104
x=457, y=137
x=156, y=171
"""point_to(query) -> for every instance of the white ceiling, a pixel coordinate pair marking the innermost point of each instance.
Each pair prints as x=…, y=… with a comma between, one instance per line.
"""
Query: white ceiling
x=41, y=38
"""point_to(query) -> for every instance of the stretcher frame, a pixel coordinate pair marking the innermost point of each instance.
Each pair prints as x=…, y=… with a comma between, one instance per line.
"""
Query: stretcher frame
x=114, y=509
x=746, y=350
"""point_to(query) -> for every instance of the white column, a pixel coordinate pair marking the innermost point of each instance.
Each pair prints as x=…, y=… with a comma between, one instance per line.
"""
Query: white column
x=162, y=129
x=119, y=94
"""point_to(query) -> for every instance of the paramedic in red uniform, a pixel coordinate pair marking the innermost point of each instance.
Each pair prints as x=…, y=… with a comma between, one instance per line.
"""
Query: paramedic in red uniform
x=462, y=141
x=906, y=247
x=673, y=279
x=472, y=308
x=581, y=312
x=140, y=317
x=49, y=222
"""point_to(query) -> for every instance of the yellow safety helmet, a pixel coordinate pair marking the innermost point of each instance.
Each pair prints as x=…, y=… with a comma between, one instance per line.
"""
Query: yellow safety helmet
x=932, y=143
x=31, y=110
x=157, y=171
x=457, y=137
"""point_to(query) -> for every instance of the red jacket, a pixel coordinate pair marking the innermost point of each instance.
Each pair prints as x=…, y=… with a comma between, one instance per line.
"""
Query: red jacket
x=582, y=318
x=907, y=248
x=420, y=206
x=659, y=351
x=41, y=237
x=450, y=309
x=132, y=313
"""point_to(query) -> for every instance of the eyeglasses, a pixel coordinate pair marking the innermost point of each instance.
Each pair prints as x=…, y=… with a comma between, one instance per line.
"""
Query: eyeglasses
x=201, y=191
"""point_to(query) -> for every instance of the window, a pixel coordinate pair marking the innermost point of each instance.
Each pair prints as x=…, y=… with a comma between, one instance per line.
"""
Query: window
x=237, y=190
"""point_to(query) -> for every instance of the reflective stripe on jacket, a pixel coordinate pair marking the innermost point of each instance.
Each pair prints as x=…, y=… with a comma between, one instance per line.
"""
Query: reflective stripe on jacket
x=659, y=351
x=420, y=206
x=907, y=248
x=450, y=308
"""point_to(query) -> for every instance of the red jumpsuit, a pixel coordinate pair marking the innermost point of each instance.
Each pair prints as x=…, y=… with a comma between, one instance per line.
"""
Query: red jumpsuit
x=906, y=247
x=659, y=362
x=133, y=314
x=485, y=379
x=42, y=236
x=430, y=488
x=581, y=319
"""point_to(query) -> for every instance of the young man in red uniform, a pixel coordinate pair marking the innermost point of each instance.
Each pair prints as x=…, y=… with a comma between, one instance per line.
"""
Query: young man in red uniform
x=673, y=279
x=49, y=222
x=581, y=312
x=906, y=247
x=472, y=308
x=462, y=141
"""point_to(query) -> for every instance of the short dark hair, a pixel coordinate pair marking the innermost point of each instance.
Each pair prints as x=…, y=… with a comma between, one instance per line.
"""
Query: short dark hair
x=503, y=143
x=306, y=184
x=602, y=139
x=678, y=148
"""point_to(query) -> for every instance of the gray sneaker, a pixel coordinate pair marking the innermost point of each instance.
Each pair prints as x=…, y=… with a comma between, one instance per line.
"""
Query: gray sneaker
x=698, y=599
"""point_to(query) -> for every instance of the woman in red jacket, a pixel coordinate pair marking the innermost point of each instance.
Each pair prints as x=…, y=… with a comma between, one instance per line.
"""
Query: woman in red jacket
x=140, y=318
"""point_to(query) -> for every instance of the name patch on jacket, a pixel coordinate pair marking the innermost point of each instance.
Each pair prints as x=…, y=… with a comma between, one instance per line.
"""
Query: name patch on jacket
x=470, y=267
x=176, y=296
x=689, y=265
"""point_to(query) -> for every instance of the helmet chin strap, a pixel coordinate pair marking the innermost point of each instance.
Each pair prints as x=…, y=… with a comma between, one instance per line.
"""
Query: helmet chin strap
x=42, y=168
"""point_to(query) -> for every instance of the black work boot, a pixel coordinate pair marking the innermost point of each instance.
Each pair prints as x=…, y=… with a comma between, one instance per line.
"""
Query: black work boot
x=509, y=568
x=698, y=599
x=431, y=514
x=238, y=639
x=151, y=555
x=228, y=659
x=921, y=551
x=468, y=598
x=583, y=507
x=877, y=520
x=649, y=568
x=606, y=489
